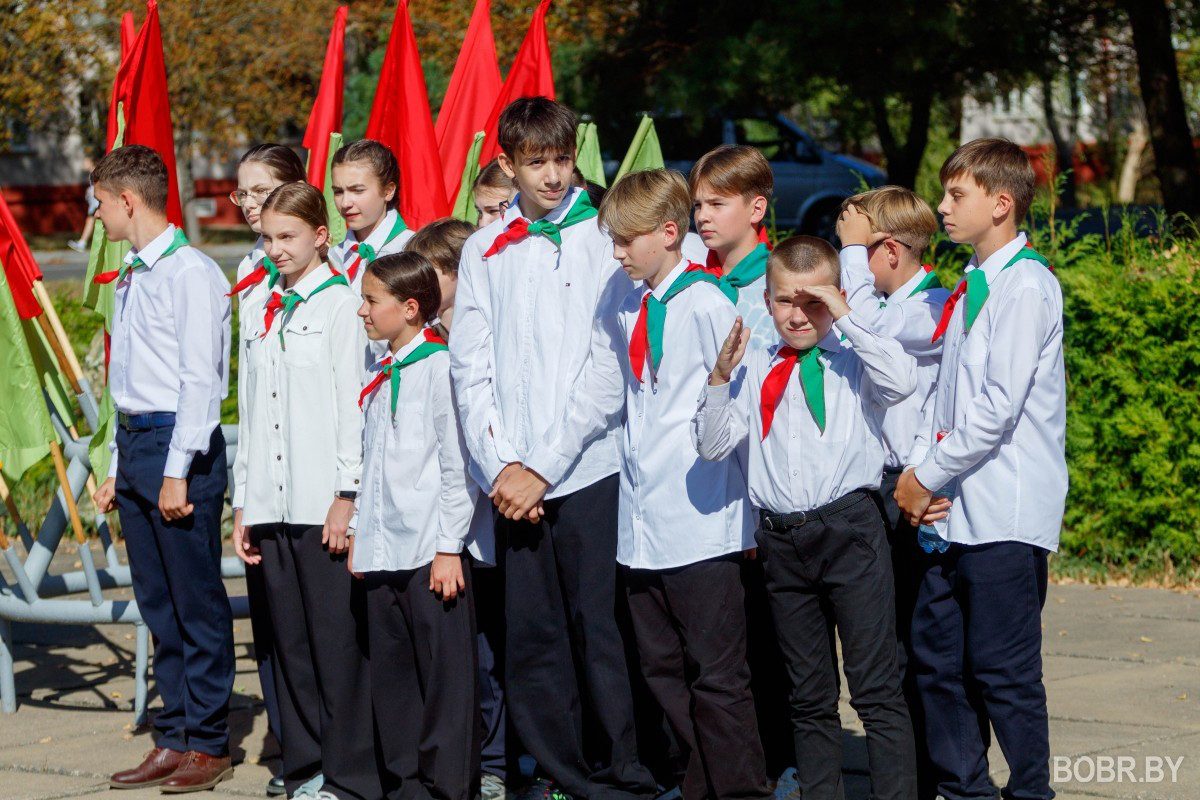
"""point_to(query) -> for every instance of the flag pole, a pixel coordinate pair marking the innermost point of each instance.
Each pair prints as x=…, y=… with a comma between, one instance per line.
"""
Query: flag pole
x=72, y=510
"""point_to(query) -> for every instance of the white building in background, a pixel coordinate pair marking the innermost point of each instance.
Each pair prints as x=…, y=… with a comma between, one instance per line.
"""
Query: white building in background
x=1019, y=116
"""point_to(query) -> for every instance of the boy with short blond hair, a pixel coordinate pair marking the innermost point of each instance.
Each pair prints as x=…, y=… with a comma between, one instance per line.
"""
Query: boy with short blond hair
x=993, y=442
x=684, y=522
x=731, y=187
x=168, y=373
x=539, y=392
x=809, y=409
x=885, y=233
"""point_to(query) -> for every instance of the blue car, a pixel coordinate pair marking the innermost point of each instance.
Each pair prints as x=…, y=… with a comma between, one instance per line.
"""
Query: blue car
x=810, y=182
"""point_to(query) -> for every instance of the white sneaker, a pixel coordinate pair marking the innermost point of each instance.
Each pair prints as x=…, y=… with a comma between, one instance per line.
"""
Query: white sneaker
x=491, y=787
x=77, y=245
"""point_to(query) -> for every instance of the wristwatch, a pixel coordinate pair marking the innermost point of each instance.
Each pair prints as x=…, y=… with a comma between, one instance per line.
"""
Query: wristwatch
x=346, y=495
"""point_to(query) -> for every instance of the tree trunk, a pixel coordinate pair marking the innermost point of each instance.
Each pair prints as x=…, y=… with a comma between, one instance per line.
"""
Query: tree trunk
x=1131, y=166
x=187, y=185
x=1166, y=117
x=904, y=160
x=1064, y=146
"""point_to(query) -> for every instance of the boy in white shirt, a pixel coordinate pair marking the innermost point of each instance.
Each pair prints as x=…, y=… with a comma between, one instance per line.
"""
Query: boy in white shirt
x=538, y=387
x=810, y=408
x=885, y=233
x=995, y=444
x=168, y=373
x=684, y=522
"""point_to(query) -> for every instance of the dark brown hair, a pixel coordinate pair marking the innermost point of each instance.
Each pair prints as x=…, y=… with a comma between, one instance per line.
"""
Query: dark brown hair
x=801, y=254
x=410, y=275
x=303, y=201
x=379, y=158
x=441, y=242
x=134, y=168
x=282, y=161
x=533, y=125
x=997, y=165
x=734, y=169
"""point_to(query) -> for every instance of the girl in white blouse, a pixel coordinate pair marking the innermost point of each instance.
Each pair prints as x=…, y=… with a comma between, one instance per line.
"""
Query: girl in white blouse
x=301, y=433
x=414, y=517
x=366, y=188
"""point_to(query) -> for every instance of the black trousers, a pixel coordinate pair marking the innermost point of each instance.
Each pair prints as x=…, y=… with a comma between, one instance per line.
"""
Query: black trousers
x=906, y=575
x=318, y=613
x=565, y=661
x=264, y=645
x=690, y=625
x=176, y=573
x=836, y=569
x=977, y=643
x=497, y=750
x=769, y=680
x=424, y=686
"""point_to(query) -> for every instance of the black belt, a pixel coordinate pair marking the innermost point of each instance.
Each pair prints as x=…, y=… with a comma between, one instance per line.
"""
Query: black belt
x=145, y=422
x=781, y=522
x=893, y=470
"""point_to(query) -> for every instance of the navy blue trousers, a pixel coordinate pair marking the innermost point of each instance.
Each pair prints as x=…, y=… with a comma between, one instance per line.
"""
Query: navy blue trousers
x=977, y=644
x=176, y=568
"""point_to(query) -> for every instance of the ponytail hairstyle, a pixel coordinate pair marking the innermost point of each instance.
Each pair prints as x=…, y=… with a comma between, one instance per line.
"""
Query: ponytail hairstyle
x=303, y=201
x=410, y=276
x=379, y=160
x=282, y=161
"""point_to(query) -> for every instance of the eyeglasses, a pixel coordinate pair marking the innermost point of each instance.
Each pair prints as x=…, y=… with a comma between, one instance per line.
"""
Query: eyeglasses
x=894, y=239
x=240, y=197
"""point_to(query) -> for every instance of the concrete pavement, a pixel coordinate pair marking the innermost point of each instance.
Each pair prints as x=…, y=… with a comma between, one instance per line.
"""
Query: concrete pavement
x=1122, y=673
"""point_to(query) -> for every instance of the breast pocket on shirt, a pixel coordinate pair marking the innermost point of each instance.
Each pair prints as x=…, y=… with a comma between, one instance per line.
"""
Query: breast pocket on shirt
x=303, y=342
x=972, y=359
x=409, y=434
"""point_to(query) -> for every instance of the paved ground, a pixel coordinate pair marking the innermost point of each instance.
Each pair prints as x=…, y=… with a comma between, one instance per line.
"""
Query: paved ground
x=1122, y=672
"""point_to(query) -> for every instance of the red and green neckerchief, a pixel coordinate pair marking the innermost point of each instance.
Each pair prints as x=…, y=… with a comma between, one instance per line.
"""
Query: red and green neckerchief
x=752, y=267
x=930, y=281
x=975, y=286
x=118, y=275
x=520, y=228
x=288, y=299
x=648, y=331
x=266, y=269
x=366, y=253
x=391, y=369
x=812, y=382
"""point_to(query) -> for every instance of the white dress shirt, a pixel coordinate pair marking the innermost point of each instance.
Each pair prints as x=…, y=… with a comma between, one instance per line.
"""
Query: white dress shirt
x=170, y=346
x=910, y=319
x=534, y=355
x=797, y=467
x=1001, y=397
x=677, y=508
x=299, y=427
x=416, y=499
x=341, y=257
x=255, y=295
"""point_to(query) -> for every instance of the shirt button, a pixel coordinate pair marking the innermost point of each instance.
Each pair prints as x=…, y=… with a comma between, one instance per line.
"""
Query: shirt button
x=795, y=472
x=304, y=328
x=277, y=428
x=272, y=394
x=281, y=488
x=279, y=458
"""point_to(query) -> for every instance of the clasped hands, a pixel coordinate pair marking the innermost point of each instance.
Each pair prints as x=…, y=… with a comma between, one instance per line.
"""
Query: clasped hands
x=518, y=493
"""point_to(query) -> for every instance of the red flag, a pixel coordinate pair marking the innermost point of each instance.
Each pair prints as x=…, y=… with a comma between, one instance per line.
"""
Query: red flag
x=326, y=115
x=401, y=120
x=141, y=84
x=20, y=270
x=473, y=90
x=530, y=76
x=128, y=32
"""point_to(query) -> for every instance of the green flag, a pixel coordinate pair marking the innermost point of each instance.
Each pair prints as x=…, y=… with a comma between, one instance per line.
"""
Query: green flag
x=46, y=363
x=337, y=223
x=644, y=150
x=587, y=153
x=25, y=431
x=464, y=203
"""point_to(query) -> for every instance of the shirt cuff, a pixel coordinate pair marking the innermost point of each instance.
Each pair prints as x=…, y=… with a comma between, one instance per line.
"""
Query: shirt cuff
x=353, y=526
x=716, y=396
x=550, y=465
x=931, y=476
x=853, y=253
x=178, y=463
x=348, y=482
x=449, y=544
x=112, y=465
x=853, y=326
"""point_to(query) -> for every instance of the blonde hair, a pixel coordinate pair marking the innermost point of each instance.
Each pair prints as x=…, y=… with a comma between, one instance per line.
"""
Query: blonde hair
x=997, y=165
x=898, y=212
x=803, y=254
x=734, y=169
x=303, y=201
x=642, y=202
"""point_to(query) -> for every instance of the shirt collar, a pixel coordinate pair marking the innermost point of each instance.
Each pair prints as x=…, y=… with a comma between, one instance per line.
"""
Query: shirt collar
x=909, y=286
x=996, y=261
x=312, y=280
x=513, y=212
x=666, y=282
x=830, y=342
x=378, y=237
x=403, y=352
x=152, y=252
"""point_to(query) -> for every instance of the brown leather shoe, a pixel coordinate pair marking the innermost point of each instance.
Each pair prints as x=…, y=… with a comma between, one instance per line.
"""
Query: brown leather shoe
x=197, y=772
x=156, y=768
